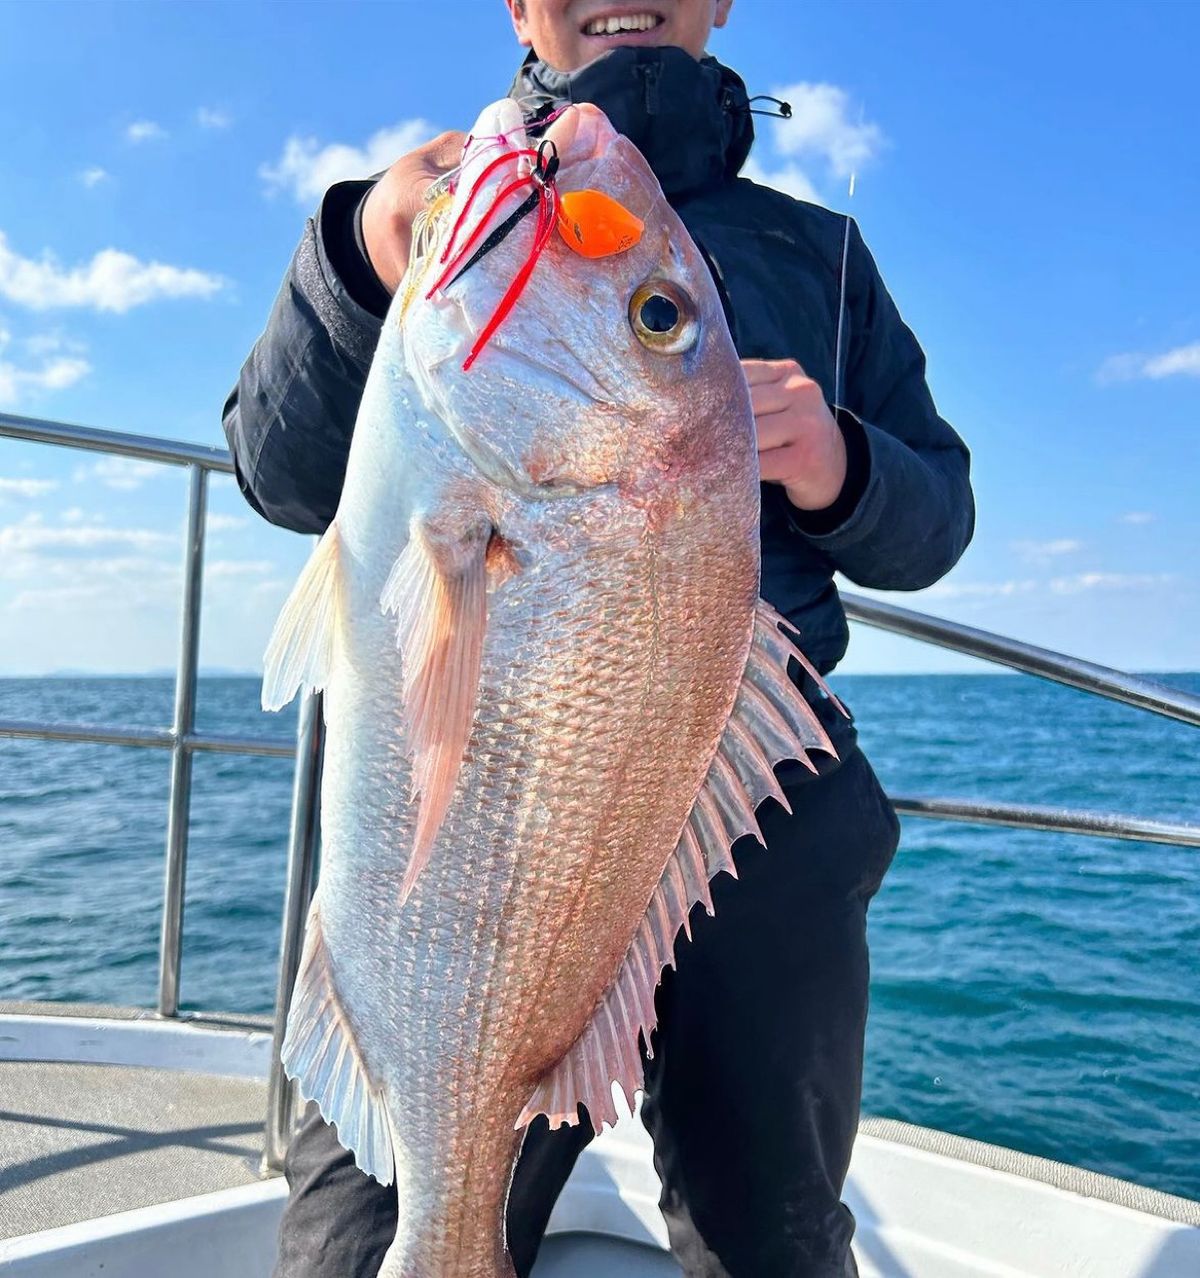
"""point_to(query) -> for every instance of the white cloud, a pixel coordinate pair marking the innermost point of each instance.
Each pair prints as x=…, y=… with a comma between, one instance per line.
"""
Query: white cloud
x=110, y=281
x=33, y=536
x=45, y=374
x=1137, y=517
x=53, y=344
x=981, y=589
x=1182, y=361
x=58, y=374
x=788, y=178
x=123, y=474
x=225, y=523
x=26, y=487
x=52, y=362
x=1076, y=584
x=121, y=582
x=307, y=168
x=820, y=142
x=94, y=176
x=821, y=127
x=1036, y=551
x=1119, y=581
x=145, y=131
x=213, y=118
x=223, y=568
x=53, y=598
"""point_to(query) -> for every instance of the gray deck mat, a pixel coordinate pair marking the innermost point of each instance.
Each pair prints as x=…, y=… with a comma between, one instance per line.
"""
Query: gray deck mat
x=80, y=1141
x=581, y=1256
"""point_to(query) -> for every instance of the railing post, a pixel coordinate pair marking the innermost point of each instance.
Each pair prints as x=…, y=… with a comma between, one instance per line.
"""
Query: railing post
x=179, y=799
x=303, y=839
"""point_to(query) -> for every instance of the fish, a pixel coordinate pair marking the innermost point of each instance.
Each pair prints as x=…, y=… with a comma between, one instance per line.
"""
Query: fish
x=553, y=698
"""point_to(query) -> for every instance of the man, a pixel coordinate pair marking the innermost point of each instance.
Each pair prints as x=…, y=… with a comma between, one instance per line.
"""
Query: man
x=752, y=1095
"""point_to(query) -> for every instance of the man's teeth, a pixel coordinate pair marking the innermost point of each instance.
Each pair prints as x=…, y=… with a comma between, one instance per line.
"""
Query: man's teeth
x=628, y=22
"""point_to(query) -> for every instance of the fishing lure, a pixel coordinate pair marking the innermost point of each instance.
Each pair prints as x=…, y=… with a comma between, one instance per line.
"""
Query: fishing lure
x=590, y=223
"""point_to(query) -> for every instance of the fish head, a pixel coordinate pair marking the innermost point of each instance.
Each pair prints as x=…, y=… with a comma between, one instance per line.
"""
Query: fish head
x=614, y=370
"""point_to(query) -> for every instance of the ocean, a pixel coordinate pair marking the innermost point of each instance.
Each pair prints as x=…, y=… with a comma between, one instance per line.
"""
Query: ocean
x=1038, y=991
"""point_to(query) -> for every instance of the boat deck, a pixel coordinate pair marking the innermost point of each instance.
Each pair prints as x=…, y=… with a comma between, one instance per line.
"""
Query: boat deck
x=176, y=1112
x=82, y=1141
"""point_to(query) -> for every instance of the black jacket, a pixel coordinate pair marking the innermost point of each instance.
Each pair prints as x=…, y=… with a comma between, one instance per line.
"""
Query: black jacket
x=905, y=514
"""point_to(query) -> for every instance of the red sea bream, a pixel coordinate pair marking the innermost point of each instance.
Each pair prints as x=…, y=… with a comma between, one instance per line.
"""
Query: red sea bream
x=553, y=698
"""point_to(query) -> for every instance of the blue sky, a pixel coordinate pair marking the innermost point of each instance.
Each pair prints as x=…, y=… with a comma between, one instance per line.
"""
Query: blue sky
x=1026, y=177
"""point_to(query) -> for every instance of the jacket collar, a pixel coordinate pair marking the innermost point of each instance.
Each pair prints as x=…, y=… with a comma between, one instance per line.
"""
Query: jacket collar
x=690, y=119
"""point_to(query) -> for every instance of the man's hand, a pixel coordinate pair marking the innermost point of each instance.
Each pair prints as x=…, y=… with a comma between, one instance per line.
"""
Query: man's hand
x=396, y=199
x=799, y=444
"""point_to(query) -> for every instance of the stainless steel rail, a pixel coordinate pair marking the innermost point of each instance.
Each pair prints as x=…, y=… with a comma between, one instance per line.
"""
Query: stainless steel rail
x=183, y=741
x=1103, y=825
x=179, y=800
x=1103, y=681
x=144, y=447
x=303, y=841
x=153, y=738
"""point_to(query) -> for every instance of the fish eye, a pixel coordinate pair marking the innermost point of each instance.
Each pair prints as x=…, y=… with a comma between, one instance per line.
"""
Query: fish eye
x=664, y=318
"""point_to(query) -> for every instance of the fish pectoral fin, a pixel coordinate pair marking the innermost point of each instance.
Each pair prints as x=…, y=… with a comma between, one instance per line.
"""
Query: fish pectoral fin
x=300, y=652
x=322, y=1054
x=438, y=592
x=771, y=721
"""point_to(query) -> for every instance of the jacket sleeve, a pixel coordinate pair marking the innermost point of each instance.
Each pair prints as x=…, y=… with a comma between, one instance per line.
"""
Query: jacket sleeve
x=915, y=514
x=290, y=417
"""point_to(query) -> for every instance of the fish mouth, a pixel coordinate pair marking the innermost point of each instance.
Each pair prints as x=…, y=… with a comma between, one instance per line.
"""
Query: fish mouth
x=623, y=24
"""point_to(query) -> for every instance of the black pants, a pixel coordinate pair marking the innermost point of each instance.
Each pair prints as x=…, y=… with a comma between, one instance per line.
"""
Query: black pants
x=752, y=1097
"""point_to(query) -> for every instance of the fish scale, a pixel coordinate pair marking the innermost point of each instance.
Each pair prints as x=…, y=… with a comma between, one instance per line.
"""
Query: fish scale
x=552, y=699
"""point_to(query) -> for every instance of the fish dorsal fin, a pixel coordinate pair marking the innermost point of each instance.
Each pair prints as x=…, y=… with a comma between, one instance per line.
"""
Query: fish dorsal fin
x=300, y=652
x=438, y=592
x=771, y=721
x=321, y=1053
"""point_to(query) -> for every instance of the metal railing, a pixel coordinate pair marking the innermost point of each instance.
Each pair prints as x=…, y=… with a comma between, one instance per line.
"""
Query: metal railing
x=1103, y=681
x=183, y=741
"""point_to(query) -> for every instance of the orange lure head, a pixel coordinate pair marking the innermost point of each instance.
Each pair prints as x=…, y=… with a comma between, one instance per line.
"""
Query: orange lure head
x=596, y=225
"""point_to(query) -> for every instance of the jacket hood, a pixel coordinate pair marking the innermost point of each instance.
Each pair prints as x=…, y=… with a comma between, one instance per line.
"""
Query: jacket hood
x=690, y=119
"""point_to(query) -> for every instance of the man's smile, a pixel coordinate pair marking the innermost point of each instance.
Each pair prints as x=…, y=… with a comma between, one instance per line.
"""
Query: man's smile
x=621, y=24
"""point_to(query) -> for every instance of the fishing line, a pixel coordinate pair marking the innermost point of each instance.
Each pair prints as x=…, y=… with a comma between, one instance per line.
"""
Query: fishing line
x=538, y=123
x=838, y=370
